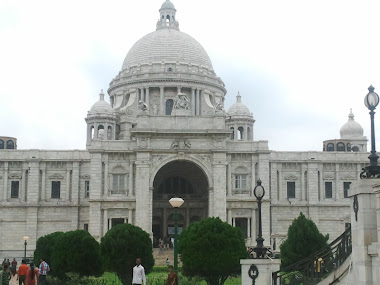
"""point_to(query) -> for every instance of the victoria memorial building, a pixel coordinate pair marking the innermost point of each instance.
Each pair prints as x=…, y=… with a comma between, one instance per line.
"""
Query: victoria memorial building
x=161, y=131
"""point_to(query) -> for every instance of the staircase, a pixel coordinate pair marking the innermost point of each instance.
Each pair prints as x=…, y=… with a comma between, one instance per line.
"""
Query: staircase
x=160, y=258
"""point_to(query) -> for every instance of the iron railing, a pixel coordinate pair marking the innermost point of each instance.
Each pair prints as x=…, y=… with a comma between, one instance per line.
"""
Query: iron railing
x=318, y=266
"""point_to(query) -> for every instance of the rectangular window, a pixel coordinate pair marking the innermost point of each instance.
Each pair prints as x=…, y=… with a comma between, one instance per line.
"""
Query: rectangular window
x=56, y=189
x=240, y=181
x=291, y=189
x=328, y=189
x=117, y=221
x=346, y=187
x=87, y=188
x=85, y=227
x=15, y=185
x=118, y=182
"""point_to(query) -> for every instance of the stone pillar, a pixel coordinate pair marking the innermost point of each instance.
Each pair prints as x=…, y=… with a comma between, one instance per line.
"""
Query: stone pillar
x=96, y=135
x=253, y=175
x=105, y=221
x=280, y=191
x=302, y=184
x=75, y=183
x=229, y=182
x=33, y=182
x=142, y=94
x=220, y=201
x=130, y=216
x=89, y=133
x=236, y=132
x=68, y=184
x=130, y=181
x=143, y=197
x=337, y=184
x=5, y=193
x=106, y=190
x=253, y=226
x=312, y=182
x=95, y=220
x=162, y=103
x=43, y=185
x=22, y=188
x=193, y=101
x=197, y=104
x=229, y=216
x=147, y=96
x=31, y=229
x=265, y=268
x=211, y=202
x=248, y=228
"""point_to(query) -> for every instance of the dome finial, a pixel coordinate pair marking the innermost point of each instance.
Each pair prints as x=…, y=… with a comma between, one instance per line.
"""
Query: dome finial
x=371, y=89
x=101, y=95
x=351, y=115
x=238, y=97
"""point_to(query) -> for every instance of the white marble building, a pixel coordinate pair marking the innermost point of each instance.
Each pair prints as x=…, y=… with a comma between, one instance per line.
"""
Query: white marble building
x=165, y=132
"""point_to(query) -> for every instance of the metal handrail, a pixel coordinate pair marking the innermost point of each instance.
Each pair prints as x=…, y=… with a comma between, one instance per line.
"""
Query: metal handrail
x=317, y=266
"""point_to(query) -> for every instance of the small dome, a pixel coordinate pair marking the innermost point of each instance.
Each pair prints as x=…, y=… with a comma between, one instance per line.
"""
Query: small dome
x=239, y=109
x=167, y=5
x=351, y=129
x=101, y=106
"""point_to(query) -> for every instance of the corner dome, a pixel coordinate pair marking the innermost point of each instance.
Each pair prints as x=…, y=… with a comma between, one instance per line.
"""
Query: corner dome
x=351, y=129
x=239, y=109
x=101, y=106
x=167, y=45
x=167, y=5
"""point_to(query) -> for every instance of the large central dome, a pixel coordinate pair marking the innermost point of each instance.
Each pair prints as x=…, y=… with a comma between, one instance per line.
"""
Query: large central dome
x=167, y=45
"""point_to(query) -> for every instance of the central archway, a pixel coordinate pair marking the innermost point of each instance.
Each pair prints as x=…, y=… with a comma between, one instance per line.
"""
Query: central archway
x=179, y=178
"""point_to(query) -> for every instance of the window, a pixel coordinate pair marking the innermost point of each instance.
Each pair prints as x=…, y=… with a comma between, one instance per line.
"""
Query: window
x=240, y=181
x=118, y=182
x=328, y=189
x=242, y=223
x=10, y=144
x=116, y=221
x=355, y=149
x=346, y=187
x=15, y=189
x=85, y=227
x=1, y=144
x=330, y=147
x=291, y=189
x=340, y=147
x=240, y=133
x=87, y=189
x=56, y=189
x=169, y=107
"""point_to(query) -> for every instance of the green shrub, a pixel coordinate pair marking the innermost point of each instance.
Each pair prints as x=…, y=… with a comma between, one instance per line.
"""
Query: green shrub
x=44, y=247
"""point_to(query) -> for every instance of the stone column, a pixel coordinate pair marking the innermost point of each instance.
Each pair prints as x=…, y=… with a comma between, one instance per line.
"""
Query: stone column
x=96, y=135
x=147, y=96
x=105, y=221
x=95, y=220
x=337, y=184
x=31, y=229
x=22, y=188
x=229, y=182
x=43, y=185
x=143, y=197
x=236, y=132
x=229, y=216
x=88, y=133
x=75, y=183
x=197, y=102
x=280, y=192
x=130, y=216
x=33, y=181
x=142, y=94
x=302, y=184
x=162, y=103
x=253, y=174
x=248, y=228
x=253, y=225
x=106, y=190
x=5, y=193
x=193, y=101
x=220, y=201
x=211, y=202
x=130, y=180
x=68, y=185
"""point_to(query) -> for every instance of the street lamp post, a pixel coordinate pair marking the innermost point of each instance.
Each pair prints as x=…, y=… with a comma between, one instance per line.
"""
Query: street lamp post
x=371, y=101
x=176, y=203
x=259, y=193
x=25, y=244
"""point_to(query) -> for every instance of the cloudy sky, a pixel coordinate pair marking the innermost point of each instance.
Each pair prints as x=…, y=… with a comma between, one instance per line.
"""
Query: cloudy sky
x=299, y=65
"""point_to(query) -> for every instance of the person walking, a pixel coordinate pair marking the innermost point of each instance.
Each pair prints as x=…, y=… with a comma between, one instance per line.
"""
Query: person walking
x=6, y=275
x=42, y=272
x=172, y=277
x=21, y=273
x=31, y=275
x=138, y=273
x=14, y=266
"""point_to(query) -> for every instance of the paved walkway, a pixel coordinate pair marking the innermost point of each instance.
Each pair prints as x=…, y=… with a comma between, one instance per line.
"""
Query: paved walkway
x=13, y=281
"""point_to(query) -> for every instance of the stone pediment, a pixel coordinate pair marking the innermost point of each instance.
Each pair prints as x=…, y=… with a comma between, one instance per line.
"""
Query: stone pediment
x=14, y=176
x=329, y=177
x=348, y=177
x=86, y=176
x=56, y=176
x=291, y=177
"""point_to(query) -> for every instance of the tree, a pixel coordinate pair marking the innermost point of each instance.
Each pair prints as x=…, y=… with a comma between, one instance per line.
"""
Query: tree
x=303, y=240
x=44, y=247
x=120, y=247
x=76, y=252
x=211, y=249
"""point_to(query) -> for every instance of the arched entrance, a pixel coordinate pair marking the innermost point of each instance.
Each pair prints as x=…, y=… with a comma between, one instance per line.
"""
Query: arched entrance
x=183, y=179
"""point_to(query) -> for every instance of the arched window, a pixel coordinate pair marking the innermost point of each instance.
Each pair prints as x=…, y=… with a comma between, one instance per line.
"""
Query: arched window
x=10, y=144
x=174, y=185
x=340, y=147
x=92, y=132
x=233, y=133
x=101, y=132
x=355, y=149
x=169, y=107
x=240, y=133
x=1, y=144
x=348, y=147
x=330, y=147
x=109, y=133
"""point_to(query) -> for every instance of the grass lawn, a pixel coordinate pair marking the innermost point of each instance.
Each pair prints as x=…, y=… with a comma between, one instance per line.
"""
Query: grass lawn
x=158, y=276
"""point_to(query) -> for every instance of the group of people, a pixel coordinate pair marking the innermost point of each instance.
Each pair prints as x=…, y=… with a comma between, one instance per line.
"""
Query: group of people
x=165, y=243
x=26, y=275
x=139, y=275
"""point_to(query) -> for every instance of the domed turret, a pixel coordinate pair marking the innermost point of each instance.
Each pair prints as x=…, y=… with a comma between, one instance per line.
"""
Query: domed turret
x=240, y=121
x=101, y=121
x=351, y=129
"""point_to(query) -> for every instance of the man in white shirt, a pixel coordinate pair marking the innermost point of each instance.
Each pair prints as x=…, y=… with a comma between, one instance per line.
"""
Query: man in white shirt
x=138, y=273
